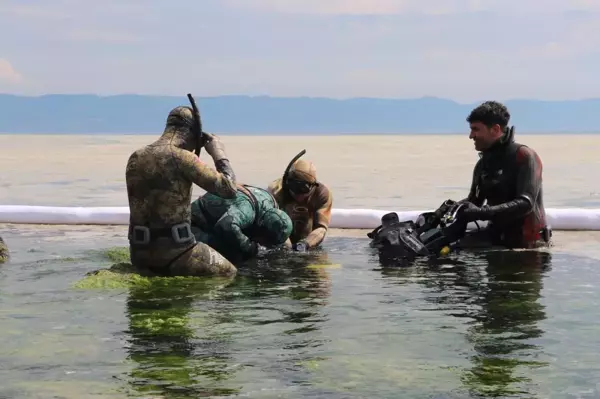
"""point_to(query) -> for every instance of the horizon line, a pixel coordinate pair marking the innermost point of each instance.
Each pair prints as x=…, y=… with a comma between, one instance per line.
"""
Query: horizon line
x=308, y=97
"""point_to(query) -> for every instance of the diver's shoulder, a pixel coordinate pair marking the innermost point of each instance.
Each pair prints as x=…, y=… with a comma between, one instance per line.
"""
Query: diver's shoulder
x=524, y=151
x=275, y=186
x=324, y=188
x=324, y=193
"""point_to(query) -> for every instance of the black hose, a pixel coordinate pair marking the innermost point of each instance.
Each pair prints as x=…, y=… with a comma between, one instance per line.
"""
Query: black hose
x=284, y=186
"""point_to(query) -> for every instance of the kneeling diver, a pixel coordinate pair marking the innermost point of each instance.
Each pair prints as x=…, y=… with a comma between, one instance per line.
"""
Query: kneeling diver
x=238, y=227
x=159, y=180
x=306, y=200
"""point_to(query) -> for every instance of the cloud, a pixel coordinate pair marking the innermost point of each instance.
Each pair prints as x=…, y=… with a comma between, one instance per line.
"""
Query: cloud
x=352, y=7
x=462, y=49
x=8, y=74
x=409, y=7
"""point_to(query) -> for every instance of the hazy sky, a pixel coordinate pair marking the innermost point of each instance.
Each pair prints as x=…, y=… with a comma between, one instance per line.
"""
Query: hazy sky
x=467, y=50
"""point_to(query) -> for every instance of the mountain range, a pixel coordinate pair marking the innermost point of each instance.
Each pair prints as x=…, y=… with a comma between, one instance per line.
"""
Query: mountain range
x=252, y=115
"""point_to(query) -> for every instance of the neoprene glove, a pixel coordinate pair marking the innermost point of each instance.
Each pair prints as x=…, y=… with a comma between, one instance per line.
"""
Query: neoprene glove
x=256, y=249
x=472, y=212
x=214, y=147
x=510, y=209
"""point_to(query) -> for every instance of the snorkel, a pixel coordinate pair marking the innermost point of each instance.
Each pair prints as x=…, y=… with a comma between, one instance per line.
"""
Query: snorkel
x=197, y=128
x=284, y=185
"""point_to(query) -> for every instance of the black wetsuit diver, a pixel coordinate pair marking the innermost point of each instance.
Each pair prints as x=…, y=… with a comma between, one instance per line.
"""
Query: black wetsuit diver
x=508, y=176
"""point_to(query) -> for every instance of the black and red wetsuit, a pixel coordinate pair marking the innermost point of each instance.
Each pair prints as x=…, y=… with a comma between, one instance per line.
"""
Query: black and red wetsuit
x=509, y=177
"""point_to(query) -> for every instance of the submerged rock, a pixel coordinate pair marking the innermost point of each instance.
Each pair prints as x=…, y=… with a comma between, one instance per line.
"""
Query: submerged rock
x=4, y=254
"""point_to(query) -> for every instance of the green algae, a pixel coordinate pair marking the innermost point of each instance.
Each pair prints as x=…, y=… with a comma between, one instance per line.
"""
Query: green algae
x=122, y=274
x=117, y=254
x=112, y=278
x=4, y=253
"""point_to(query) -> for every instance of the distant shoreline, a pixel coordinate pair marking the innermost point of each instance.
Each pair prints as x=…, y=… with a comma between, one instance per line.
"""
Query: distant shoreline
x=282, y=116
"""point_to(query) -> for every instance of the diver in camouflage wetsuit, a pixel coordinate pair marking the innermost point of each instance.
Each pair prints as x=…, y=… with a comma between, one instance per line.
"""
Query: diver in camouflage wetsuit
x=4, y=254
x=159, y=186
x=238, y=227
x=307, y=201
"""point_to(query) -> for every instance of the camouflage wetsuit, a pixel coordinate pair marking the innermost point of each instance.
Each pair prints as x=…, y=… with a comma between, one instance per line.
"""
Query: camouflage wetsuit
x=307, y=202
x=509, y=177
x=237, y=227
x=4, y=254
x=159, y=185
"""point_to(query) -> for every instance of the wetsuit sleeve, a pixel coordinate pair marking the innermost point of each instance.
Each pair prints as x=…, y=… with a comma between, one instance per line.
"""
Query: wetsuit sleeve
x=529, y=181
x=230, y=227
x=220, y=182
x=324, y=203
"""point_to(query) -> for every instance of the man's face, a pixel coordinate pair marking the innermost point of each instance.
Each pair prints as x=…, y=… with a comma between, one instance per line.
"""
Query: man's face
x=483, y=137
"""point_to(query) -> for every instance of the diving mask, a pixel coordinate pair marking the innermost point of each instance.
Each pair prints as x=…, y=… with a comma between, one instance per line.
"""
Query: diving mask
x=299, y=186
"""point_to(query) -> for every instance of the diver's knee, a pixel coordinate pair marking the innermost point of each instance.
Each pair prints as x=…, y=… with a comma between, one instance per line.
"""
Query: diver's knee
x=219, y=264
x=204, y=261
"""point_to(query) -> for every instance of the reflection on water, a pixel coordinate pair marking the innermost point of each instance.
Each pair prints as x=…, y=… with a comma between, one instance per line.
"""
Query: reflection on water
x=496, y=294
x=333, y=324
x=506, y=323
x=183, y=332
x=163, y=341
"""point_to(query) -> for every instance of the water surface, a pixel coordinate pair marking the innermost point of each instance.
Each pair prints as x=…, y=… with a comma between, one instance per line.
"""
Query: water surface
x=334, y=324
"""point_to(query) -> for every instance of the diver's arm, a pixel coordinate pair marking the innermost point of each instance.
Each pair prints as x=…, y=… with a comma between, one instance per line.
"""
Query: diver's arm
x=230, y=227
x=220, y=182
x=529, y=181
x=216, y=149
x=322, y=217
x=315, y=237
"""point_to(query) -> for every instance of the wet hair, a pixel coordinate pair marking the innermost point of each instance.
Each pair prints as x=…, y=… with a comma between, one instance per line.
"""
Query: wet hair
x=490, y=113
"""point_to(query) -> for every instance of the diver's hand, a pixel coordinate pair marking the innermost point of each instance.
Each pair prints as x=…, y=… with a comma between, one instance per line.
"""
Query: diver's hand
x=301, y=246
x=261, y=249
x=257, y=249
x=470, y=212
x=442, y=209
x=214, y=146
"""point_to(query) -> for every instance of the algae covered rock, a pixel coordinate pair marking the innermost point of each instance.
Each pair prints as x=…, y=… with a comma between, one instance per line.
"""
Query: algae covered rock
x=4, y=254
x=122, y=274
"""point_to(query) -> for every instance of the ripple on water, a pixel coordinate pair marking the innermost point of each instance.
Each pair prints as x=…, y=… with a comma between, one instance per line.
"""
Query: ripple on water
x=501, y=324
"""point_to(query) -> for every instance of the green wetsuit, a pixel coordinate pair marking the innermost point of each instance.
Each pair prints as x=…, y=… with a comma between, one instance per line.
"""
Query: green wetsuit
x=236, y=227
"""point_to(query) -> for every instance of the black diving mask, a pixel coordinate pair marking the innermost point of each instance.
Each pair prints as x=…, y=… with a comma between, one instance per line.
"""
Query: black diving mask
x=300, y=186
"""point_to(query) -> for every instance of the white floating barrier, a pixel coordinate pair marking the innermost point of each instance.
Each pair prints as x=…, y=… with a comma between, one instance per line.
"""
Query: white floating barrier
x=558, y=218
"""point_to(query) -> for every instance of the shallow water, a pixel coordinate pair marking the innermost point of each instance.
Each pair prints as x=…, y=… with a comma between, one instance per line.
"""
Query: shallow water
x=336, y=324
